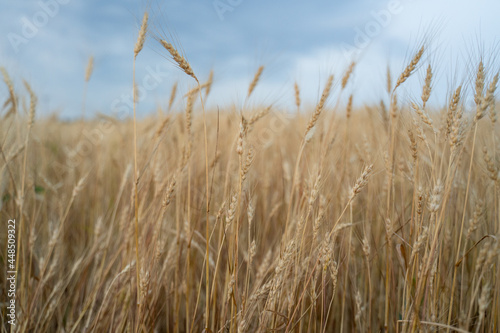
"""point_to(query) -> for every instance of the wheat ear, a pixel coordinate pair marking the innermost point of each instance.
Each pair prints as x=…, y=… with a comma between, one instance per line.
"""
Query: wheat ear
x=88, y=74
x=173, y=93
x=12, y=95
x=320, y=106
x=410, y=68
x=142, y=35
x=348, y=74
x=426, y=90
x=297, y=96
x=180, y=60
x=255, y=80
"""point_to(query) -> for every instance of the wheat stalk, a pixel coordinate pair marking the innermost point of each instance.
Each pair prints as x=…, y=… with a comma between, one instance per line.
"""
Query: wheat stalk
x=138, y=47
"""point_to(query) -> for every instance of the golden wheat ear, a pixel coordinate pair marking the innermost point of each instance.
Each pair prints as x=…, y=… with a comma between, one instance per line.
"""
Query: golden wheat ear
x=173, y=94
x=12, y=100
x=142, y=35
x=297, y=95
x=410, y=68
x=255, y=80
x=181, y=62
x=320, y=106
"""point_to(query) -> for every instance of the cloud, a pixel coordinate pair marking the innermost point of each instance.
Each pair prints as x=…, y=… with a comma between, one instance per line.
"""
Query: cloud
x=295, y=40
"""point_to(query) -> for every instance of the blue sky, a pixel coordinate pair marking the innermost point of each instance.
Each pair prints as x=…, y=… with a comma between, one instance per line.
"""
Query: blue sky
x=48, y=42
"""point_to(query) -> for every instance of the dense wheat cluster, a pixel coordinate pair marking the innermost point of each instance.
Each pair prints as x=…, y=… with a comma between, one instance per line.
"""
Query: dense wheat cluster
x=333, y=218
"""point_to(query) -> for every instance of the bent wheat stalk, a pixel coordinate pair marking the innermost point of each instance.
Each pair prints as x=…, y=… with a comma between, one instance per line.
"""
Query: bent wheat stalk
x=184, y=65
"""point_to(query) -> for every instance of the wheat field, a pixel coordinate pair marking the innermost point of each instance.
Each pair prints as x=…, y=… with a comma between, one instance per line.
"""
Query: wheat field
x=258, y=218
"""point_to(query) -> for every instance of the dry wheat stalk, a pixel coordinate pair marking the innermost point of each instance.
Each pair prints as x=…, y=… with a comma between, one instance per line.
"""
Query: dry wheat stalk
x=138, y=47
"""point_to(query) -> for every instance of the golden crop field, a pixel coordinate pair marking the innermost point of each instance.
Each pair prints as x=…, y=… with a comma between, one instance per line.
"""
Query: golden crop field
x=324, y=218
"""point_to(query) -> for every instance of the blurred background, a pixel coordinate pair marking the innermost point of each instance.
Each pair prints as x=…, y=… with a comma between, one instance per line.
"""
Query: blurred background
x=49, y=42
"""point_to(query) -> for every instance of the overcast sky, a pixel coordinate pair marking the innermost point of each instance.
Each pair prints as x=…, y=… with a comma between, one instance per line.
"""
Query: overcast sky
x=48, y=42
